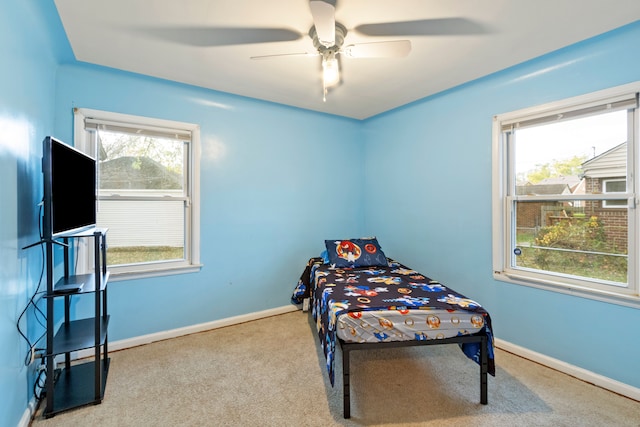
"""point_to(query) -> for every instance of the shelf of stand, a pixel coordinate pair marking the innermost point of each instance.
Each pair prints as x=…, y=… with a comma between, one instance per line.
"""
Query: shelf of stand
x=75, y=386
x=78, y=335
x=87, y=280
x=89, y=232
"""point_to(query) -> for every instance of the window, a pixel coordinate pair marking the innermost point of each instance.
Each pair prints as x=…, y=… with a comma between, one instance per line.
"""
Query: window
x=614, y=186
x=564, y=196
x=148, y=191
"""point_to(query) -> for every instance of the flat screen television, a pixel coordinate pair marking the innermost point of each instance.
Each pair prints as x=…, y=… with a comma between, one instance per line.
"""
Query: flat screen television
x=69, y=189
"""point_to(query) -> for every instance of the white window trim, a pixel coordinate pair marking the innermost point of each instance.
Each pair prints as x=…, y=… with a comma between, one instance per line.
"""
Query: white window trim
x=192, y=263
x=570, y=286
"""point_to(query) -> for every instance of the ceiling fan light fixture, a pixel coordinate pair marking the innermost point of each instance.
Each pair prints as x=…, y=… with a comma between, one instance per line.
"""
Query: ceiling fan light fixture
x=330, y=71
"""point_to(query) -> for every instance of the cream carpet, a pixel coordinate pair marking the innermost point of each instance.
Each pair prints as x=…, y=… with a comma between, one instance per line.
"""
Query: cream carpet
x=271, y=372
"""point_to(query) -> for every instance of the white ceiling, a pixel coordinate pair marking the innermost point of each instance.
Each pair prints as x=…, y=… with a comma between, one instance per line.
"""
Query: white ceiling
x=209, y=43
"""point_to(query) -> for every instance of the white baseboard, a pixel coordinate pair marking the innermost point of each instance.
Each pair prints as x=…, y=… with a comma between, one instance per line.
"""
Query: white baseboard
x=28, y=414
x=575, y=371
x=174, y=333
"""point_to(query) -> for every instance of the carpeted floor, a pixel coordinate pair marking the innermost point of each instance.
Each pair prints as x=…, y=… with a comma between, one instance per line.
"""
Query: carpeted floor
x=271, y=372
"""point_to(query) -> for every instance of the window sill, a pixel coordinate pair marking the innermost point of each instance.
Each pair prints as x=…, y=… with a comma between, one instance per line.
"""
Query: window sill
x=629, y=300
x=115, y=276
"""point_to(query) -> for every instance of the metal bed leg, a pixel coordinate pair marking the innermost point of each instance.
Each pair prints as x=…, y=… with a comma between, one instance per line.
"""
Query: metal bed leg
x=346, y=393
x=484, y=364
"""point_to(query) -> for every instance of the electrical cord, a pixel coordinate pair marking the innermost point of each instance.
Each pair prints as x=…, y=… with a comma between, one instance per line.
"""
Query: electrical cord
x=40, y=383
x=33, y=302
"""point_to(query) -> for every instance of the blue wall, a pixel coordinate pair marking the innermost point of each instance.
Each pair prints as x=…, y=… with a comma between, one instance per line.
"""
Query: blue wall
x=32, y=45
x=432, y=160
x=267, y=172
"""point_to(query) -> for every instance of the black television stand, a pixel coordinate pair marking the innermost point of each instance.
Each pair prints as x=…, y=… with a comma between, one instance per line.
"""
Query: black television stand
x=83, y=382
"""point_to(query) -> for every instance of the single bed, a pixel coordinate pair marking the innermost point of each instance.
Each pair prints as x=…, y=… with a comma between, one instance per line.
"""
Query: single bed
x=363, y=300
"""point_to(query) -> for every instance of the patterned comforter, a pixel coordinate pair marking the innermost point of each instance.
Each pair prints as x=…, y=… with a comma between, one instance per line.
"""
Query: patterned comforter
x=337, y=292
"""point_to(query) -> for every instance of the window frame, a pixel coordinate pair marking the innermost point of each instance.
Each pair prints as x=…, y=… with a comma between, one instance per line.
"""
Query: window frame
x=191, y=262
x=503, y=200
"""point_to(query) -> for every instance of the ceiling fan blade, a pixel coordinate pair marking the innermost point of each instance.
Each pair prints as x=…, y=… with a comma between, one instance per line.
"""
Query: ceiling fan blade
x=423, y=27
x=222, y=36
x=325, y=21
x=285, y=55
x=390, y=49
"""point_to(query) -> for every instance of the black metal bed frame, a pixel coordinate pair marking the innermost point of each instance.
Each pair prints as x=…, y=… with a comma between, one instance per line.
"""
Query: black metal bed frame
x=348, y=347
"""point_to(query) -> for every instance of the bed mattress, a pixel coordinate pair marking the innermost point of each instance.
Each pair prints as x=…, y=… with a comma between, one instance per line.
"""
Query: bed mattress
x=406, y=325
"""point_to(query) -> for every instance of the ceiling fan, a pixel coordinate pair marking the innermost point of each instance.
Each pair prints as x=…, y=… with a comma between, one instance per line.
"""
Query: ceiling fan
x=328, y=39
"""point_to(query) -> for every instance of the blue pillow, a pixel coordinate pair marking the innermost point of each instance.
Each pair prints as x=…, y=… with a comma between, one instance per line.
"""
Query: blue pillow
x=350, y=253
